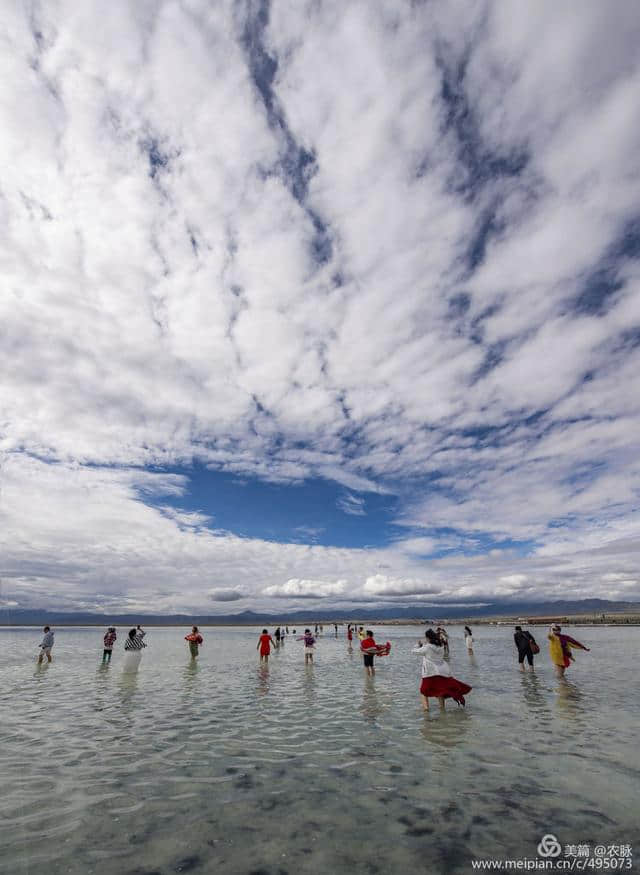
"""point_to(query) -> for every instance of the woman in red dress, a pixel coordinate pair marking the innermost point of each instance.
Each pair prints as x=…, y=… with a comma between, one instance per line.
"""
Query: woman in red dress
x=437, y=679
x=264, y=645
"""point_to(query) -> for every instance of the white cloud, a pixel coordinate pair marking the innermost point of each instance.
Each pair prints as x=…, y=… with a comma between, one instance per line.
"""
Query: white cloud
x=443, y=303
x=306, y=589
x=354, y=505
x=381, y=584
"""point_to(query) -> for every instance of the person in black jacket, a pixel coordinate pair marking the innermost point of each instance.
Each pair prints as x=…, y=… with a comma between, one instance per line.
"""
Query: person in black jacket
x=523, y=641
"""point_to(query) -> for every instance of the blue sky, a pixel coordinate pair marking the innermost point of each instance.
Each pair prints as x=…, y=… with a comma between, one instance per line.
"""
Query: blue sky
x=318, y=303
x=316, y=511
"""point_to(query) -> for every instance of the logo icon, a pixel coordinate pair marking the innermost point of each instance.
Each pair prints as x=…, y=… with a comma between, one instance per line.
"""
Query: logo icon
x=549, y=846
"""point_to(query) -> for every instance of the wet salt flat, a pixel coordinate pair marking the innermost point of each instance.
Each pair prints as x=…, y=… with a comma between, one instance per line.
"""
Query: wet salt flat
x=227, y=766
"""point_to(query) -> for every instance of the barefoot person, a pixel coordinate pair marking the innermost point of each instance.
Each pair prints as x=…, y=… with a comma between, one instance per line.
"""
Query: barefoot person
x=133, y=646
x=527, y=647
x=264, y=645
x=195, y=640
x=560, y=647
x=369, y=650
x=108, y=641
x=437, y=680
x=46, y=644
x=309, y=645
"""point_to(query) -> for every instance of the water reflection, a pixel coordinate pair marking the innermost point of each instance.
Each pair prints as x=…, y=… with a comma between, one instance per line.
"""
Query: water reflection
x=446, y=728
x=568, y=699
x=128, y=685
x=263, y=680
x=532, y=691
x=102, y=685
x=373, y=702
x=308, y=683
x=190, y=676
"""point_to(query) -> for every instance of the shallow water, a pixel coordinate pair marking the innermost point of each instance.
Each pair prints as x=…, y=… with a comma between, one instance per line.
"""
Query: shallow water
x=227, y=766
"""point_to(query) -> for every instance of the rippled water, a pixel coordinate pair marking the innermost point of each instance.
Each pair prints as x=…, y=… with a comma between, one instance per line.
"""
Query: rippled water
x=226, y=766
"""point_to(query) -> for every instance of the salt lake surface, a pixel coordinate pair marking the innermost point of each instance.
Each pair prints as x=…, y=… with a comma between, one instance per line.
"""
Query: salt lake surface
x=230, y=767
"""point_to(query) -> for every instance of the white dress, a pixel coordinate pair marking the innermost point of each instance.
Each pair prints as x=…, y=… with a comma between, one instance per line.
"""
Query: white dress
x=432, y=661
x=468, y=640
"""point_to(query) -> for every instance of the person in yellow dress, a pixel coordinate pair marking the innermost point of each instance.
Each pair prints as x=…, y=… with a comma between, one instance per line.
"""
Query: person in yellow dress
x=560, y=647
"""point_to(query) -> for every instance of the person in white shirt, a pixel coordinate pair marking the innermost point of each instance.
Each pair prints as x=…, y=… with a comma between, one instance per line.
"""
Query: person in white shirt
x=468, y=639
x=46, y=644
x=437, y=680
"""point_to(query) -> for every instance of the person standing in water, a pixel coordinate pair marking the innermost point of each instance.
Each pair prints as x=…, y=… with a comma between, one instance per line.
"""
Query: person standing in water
x=361, y=635
x=437, y=680
x=444, y=640
x=264, y=645
x=46, y=644
x=134, y=639
x=468, y=639
x=560, y=647
x=108, y=641
x=277, y=636
x=195, y=640
x=369, y=649
x=526, y=645
x=133, y=646
x=309, y=645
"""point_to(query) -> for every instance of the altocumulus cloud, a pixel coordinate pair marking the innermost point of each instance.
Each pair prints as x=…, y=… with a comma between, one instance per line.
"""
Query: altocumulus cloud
x=397, y=246
x=306, y=589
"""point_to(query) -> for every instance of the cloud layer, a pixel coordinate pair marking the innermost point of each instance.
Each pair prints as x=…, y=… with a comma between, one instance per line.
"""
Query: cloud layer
x=393, y=246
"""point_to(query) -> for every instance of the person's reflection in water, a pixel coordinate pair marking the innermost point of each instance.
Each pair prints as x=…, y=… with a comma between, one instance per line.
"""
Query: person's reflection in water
x=102, y=681
x=373, y=703
x=532, y=691
x=568, y=699
x=190, y=675
x=308, y=679
x=127, y=688
x=446, y=728
x=263, y=679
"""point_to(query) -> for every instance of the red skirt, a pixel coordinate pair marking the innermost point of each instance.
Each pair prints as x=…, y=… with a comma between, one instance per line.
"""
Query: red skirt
x=449, y=688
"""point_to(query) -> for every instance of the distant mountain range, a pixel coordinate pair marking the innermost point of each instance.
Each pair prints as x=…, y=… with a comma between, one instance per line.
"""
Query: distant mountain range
x=558, y=609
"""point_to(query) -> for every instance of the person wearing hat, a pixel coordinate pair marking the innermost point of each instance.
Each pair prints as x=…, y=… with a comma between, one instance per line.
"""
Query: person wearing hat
x=560, y=647
x=109, y=641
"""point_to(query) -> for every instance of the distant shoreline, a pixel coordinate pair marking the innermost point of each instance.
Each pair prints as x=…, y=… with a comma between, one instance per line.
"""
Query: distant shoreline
x=576, y=620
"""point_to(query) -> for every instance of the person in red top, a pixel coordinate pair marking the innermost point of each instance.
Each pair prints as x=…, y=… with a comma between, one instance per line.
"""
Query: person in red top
x=369, y=649
x=195, y=639
x=264, y=645
x=109, y=641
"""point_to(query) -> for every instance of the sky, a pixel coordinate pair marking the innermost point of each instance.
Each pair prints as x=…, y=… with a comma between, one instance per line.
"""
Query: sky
x=314, y=304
